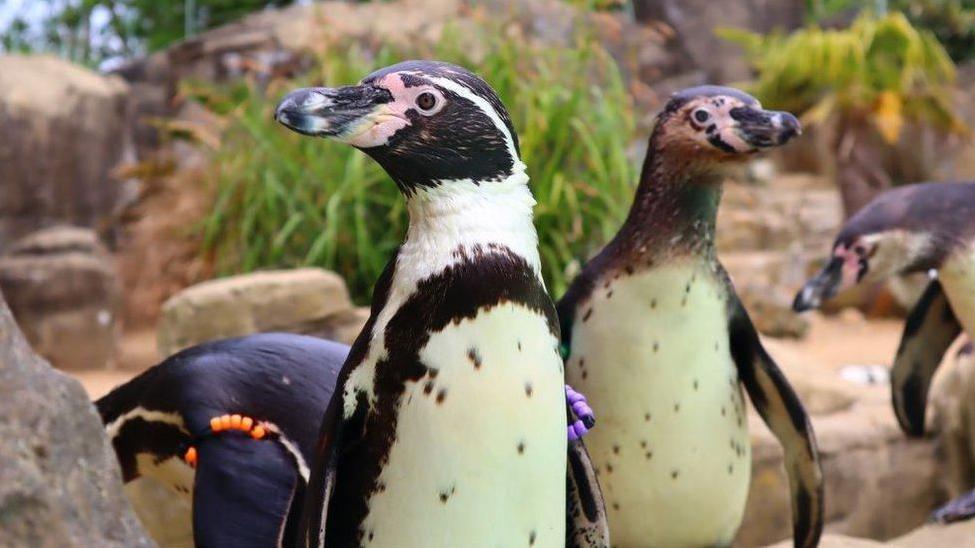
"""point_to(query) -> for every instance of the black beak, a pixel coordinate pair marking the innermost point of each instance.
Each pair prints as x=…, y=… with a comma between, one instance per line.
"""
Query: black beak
x=765, y=128
x=329, y=112
x=821, y=287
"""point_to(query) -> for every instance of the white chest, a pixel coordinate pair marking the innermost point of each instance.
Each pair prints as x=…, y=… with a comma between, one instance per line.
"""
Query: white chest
x=957, y=277
x=671, y=445
x=480, y=445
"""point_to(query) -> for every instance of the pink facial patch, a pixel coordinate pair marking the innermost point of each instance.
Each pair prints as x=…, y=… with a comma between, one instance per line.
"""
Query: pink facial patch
x=391, y=117
x=851, y=265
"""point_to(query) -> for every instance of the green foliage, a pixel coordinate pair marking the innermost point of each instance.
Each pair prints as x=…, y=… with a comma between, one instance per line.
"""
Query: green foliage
x=880, y=69
x=952, y=21
x=284, y=200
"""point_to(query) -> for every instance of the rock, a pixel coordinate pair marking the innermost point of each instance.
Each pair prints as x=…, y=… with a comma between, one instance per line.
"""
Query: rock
x=959, y=535
x=63, y=129
x=792, y=210
x=764, y=282
x=770, y=309
x=63, y=290
x=278, y=300
x=835, y=541
x=343, y=326
x=60, y=484
x=879, y=484
x=695, y=22
x=952, y=417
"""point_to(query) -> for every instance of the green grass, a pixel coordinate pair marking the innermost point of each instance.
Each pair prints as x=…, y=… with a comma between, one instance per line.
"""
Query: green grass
x=281, y=200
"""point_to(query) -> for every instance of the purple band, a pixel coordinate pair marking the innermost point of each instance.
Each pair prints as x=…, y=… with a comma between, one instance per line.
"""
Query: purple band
x=580, y=407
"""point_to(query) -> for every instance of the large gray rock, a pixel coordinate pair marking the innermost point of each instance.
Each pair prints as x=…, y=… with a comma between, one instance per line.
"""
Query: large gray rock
x=63, y=129
x=60, y=485
x=63, y=289
x=306, y=300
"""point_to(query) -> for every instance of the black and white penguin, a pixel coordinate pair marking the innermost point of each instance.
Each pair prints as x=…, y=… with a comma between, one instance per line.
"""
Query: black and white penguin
x=451, y=425
x=258, y=392
x=227, y=429
x=926, y=227
x=660, y=343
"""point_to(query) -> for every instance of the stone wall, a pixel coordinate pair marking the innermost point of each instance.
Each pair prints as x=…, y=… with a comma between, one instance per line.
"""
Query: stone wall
x=63, y=129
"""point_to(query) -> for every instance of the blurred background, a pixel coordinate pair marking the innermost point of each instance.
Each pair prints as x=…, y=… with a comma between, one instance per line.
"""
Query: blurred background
x=148, y=201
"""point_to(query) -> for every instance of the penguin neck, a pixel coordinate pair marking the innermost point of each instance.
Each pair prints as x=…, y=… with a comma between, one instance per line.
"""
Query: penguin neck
x=463, y=219
x=675, y=208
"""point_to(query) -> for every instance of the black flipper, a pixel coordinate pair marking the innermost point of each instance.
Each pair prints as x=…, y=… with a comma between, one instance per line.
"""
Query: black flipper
x=585, y=515
x=243, y=492
x=782, y=411
x=930, y=329
x=322, y=479
x=959, y=509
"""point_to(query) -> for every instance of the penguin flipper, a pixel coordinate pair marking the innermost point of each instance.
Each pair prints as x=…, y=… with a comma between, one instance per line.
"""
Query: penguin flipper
x=242, y=492
x=780, y=408
x=930, y=329
x=585, y=516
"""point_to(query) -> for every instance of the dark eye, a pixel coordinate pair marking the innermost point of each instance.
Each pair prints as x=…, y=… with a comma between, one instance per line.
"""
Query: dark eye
x=426, y=101
x=701, y=115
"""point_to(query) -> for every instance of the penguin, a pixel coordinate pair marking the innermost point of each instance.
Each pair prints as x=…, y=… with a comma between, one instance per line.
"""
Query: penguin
x=924, y=227
x=449, y=423
x=660, y=343
x=257, y=392
x=224, y=428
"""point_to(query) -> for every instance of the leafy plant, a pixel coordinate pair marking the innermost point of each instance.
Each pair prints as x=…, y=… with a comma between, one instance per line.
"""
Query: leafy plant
x=871, y=80
x=282, y=200
x=952, y=21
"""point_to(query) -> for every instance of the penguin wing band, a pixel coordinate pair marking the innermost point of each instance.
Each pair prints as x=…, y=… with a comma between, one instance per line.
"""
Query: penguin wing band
x=929, y=331
x=782, y=411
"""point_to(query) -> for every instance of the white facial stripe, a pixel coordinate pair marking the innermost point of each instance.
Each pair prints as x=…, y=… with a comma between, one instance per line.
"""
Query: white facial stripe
x=113, y=428
x=482, y=104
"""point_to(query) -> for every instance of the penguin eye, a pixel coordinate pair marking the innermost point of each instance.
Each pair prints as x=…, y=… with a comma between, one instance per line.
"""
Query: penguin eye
x=426, y=101
x=701, y=115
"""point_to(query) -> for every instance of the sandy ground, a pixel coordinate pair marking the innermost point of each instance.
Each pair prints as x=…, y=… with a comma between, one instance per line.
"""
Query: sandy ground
x=832, y=343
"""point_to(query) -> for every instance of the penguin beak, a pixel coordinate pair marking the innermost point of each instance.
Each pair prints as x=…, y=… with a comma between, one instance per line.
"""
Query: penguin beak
x=821, y=287
x=765, y=128
x=340, y=113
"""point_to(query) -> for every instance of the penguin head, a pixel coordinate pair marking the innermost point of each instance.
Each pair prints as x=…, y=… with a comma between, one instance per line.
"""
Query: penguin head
x=720, y=124
x=869, y=249
x=425, y=122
